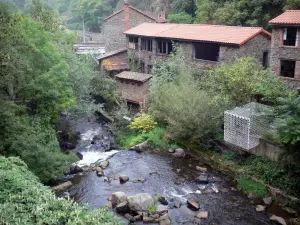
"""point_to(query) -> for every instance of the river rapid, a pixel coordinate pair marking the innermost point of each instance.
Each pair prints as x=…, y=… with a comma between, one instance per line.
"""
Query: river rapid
x=174, y=178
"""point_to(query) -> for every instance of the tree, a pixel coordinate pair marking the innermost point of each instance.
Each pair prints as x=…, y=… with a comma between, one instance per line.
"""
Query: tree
x=180, y=18
x=187, y=6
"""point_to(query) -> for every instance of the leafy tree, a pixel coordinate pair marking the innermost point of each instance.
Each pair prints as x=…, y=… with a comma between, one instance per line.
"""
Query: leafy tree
x=242, y=80
x=181, y=17
x=187, y=6
x=92, y=13
x=24, y=200
x=292, y=4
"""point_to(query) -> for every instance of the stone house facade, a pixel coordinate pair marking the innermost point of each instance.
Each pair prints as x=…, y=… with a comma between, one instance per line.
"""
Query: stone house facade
x=116, y=24
x=205, y=45
x=285, y=47
x=134, y=87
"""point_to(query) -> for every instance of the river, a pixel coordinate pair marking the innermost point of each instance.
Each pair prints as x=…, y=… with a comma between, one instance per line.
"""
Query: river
x=174, y=178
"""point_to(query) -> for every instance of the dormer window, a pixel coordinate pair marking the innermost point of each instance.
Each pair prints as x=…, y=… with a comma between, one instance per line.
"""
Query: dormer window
x=290, y=36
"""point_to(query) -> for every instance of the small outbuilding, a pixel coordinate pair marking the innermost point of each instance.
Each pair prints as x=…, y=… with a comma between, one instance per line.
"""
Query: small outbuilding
x=134, y=87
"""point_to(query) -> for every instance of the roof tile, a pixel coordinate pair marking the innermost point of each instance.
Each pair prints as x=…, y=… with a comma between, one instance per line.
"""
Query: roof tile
x=199, y=32
x=288, y=17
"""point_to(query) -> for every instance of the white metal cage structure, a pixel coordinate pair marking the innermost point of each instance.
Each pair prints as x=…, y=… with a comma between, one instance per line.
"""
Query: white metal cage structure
x=244, y=126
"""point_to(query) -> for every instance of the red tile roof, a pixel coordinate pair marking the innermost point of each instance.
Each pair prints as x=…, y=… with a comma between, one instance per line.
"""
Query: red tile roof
x=199, y=32
x=130, y=75
x=288, y=17
x=145, y=13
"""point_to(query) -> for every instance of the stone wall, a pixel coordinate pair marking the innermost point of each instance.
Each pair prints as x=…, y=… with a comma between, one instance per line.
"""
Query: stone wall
x=119, y=23
x=118, y=59
x=228, y=53
x=280, y=52
x=134, y=91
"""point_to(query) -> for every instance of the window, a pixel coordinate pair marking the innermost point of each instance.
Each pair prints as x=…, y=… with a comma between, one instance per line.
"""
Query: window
x=265, y=59
x=206, y=51
x=287, y=68
x=133, y=42
x=146, y=45
x=290, y=36
x=164, y=46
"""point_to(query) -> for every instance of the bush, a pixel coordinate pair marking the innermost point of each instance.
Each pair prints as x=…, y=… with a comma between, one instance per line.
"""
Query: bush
x=157, y=139
x=249, y=186
x=143, y=123
x=188, y=111
x=240, y=81
x=23, y=200
x=285, y=177
x=181, y=17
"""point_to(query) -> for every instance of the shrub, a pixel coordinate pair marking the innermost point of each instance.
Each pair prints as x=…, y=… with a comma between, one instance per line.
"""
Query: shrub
x=143, y=123
x=188, y=111
x=285, y=177
x=23, y=200
x=249, y=186
x=156, y=138
x=181, y=17
x=240, y=81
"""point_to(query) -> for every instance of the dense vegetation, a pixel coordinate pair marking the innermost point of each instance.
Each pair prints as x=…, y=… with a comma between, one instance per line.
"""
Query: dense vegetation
x=41, y=77
x=24, y=200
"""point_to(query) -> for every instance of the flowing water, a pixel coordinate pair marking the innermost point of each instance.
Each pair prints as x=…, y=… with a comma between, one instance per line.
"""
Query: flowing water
x=171, y=177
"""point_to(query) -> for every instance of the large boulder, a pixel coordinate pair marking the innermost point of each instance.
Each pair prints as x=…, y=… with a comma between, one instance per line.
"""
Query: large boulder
x=103, y=164
x=121, y=207
x=278, y=220
x=179, y=152
x=118, y=197
x=140, y=202
x=140, y=147
x=62, y=187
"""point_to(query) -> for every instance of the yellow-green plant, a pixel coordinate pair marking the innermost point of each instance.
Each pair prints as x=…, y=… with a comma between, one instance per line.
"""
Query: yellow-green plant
x=143, y=123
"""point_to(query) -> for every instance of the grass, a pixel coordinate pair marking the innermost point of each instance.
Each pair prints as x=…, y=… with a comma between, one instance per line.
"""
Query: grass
x=156, y=138
x=153, y=209
x=249, y=186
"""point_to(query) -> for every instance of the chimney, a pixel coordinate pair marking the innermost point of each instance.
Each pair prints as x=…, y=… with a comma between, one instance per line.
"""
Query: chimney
x=126, y=15
x=163, y=15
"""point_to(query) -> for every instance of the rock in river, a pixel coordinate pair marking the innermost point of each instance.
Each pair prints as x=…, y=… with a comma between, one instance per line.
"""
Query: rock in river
x=202, y=179
x=118, y=197
x=260, y=208
x=278, y=219
x=103, y=164
x=267, y=201
x=179, y=152
x=140, y=202
x=123, y=179
x=202, y=215
x=140, y=147
x=121, y=207
x=62, y=187
x=193, y=204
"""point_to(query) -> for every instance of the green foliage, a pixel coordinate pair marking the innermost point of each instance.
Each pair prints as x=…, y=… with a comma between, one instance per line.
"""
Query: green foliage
x=238, y=82
x=181, y=17
x=153, y=209
x=157, y=139
x=285, y=177
x=238, y=12
x=177, y=99
x=23, y=200
x=143, y=123
x=184, y=6
x=229, y=156
x=249, y=186
x=287, y=121
x=292, y=4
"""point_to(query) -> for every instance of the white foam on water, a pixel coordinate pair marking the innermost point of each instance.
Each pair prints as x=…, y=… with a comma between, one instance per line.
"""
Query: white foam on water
x=93, y=156
x=172, y=192
x=88, y=136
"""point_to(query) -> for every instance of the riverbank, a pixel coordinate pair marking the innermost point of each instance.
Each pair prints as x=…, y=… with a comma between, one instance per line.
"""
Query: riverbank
x=234, y=170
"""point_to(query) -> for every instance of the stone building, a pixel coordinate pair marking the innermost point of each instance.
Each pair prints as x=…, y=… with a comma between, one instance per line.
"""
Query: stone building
x=122, y=20
x=114, y=62
x=205, y=45
x=285, y=47
x=134, y=87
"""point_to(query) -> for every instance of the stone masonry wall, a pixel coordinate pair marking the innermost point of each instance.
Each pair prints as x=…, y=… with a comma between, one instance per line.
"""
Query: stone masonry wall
x=280, y=52
x=254, y=47
x=120, y=59
x=134, y=91
x=119, y=23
